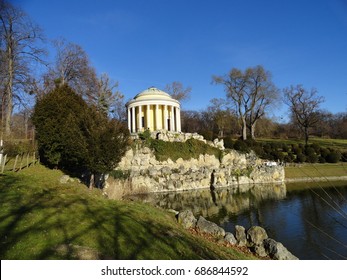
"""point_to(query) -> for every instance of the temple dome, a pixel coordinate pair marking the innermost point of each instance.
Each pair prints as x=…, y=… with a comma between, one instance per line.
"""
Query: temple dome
x=153, y=93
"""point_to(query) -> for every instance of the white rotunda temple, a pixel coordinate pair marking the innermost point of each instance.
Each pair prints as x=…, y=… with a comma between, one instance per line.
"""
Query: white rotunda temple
x=155, y=110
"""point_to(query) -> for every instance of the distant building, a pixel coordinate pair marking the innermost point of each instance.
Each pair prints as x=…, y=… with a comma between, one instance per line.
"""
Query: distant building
x=153, y=109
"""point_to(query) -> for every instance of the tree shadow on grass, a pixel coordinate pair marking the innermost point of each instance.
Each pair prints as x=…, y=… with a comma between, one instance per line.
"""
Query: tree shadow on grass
x=58, y=223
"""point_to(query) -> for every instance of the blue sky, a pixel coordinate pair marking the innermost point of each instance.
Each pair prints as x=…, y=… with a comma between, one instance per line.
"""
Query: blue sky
x=155, y=42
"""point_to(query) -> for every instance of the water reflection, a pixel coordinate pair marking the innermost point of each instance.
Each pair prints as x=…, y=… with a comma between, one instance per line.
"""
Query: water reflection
x=218, y=203
x=310, y=220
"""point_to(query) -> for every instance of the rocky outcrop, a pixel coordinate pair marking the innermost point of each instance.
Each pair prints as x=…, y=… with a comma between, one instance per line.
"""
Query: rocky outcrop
x=146, y=174
x=255, y=238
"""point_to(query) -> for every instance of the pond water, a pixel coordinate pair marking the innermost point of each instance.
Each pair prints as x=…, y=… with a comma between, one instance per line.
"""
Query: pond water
x=310, y=220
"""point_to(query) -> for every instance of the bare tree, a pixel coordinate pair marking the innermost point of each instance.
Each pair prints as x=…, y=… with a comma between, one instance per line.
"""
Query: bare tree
x=251, y=92
x=178, y=91
x=72, y=67
x=19, y=38
x=304, y=107
x=235, y=87
x=219, y=109
x=263, y=94
x=108, y=99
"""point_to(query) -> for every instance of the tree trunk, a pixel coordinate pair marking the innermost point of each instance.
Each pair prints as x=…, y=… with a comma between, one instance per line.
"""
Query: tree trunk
x=92, y=181
x=221, y=134
x=9, y=92
x=253, y=130
x=306, y=135
x=244, y=129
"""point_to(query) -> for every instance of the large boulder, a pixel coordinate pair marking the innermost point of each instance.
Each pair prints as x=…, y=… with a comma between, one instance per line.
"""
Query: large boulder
x=186, y=219
x=240, y=234
x=230, y=238
x=208, y=227
x=256, y=235
x=260, y=250
x=277, y=251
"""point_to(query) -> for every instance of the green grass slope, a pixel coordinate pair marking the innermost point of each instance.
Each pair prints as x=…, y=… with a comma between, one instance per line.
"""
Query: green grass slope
x=41, y=218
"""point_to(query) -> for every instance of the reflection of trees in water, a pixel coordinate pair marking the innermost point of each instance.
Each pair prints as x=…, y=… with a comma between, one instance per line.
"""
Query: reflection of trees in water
x=324, y=219
x=219, y=204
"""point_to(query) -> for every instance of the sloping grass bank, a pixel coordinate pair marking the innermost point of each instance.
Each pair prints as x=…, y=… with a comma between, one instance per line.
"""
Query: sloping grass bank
x=41, y=218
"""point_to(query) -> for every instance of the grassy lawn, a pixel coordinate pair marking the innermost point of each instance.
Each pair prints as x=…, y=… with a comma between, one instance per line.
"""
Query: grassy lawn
x=316, y=170
x=41, y=218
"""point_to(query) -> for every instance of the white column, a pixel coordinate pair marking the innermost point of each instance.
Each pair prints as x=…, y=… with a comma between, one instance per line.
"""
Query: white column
x=172, y=119
x=165, y=117
x=133, y=120
x=148, y=117
x=129, y=120
x=178, y=118
x=139, y=128
x=156, y=117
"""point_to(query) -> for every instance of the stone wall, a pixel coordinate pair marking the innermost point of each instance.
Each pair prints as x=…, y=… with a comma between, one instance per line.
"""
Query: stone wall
x=146, y=174
x=173, y=136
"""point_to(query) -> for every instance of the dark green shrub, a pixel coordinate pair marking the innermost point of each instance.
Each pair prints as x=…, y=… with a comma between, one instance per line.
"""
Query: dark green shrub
x=268, y=156
x=119, y=174
x=300, y=158
x=251, y=143
x=285, y=148
x=344, y=157
x=333, y=157
x=146, y=135
x=277, y=155
x=316, y=148
x=76, y=137
x=324, y=152
x=258, y=149
x=59, y=117
x=296, y=149
x=309, y=151
x=267, y=148
x=228, y=143
x=312, y=158
x=186, y=150
x=289, y=157
x=321, y=159
x=276, y=145
x=208, y=135
x=241, y=146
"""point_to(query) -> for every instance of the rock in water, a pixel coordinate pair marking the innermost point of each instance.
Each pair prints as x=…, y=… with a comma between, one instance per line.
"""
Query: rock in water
x=277, y=251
